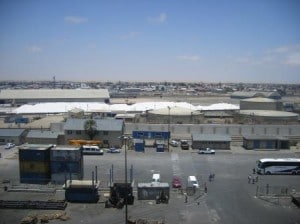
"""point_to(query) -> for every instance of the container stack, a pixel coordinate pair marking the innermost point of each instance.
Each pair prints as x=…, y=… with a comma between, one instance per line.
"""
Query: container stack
x=66, y=163
x=34, y=163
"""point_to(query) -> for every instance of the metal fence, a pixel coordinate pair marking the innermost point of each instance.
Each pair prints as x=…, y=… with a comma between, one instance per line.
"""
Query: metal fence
x=276, y=191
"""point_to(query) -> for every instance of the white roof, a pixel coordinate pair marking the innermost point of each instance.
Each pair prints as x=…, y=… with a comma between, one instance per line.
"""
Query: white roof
x=63, y=107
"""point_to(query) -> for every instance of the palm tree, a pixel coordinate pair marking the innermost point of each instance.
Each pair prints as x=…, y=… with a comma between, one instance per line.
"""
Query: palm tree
x=90, y=127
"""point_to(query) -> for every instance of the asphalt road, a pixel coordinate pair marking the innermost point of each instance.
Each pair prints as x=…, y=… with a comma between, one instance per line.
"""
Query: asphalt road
x=229, y=199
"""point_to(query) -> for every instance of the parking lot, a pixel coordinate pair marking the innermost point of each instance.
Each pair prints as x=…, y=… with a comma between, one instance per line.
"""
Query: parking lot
x=229, y=198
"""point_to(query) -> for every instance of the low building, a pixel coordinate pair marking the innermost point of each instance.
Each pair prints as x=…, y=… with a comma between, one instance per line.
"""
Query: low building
x=213, y=141
x=43, y=137
x=24, y=96
x=266, y=117
x=265, y=142
x=250, y=94
x=108, y=131
x=12, y=135
x=260, y=103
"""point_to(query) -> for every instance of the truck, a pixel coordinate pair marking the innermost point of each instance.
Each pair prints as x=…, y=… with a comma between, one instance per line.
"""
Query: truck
x=184, y=144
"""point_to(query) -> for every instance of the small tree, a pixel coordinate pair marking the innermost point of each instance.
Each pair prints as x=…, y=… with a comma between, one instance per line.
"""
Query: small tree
x=90, y=127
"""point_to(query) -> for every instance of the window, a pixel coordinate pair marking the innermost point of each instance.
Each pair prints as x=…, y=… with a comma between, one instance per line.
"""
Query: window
x=105, y=132
x=78, y=132
x=69, y=132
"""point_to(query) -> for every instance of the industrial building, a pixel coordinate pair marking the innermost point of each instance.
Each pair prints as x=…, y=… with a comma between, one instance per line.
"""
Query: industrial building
x=44, y=137
x=265, y=142
x=213, y=141
x=266, y=117
x=12, y=135
x=260, y=103
x=19, y=97
x=108, y=131
x=174, y=115
x=251, y=94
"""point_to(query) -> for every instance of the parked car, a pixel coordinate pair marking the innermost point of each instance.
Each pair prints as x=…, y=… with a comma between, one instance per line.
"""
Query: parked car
x=174, y=143
x=113, y=150
x=184, y=144
x=176, y=182
x=9, y=145
x=206, y=151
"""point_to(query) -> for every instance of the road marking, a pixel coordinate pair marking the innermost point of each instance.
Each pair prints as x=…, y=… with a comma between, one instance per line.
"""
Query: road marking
x=175, y=164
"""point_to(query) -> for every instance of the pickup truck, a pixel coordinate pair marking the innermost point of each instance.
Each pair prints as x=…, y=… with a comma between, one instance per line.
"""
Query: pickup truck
x=206, y=151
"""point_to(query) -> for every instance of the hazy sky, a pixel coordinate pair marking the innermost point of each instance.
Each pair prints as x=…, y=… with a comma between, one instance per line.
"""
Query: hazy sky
x=155, y=40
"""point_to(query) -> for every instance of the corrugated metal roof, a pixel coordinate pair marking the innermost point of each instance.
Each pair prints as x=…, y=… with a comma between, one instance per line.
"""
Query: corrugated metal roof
x=42, y=134
x=53, y=93
x=102, y=124
x=269, y=113
x=211, y=137
x=11, y=132
x=175, y=111
x=259, y=100
x=251, y=94
x=35, y=146
x=264, y=137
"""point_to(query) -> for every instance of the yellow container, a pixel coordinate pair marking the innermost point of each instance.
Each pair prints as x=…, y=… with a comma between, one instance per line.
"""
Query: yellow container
x=34, y=167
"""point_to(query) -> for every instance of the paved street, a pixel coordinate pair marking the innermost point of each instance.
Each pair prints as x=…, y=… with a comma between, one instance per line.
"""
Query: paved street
x=230, y=198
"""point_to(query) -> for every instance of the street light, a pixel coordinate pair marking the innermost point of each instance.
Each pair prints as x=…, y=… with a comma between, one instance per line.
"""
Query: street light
x=169, y=121
x=125, y=138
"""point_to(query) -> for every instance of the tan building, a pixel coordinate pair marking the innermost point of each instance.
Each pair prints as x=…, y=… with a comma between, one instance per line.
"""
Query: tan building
x=108, y=131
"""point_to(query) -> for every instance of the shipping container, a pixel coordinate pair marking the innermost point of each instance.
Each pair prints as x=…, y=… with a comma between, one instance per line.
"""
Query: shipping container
x=35, y=167
x=160, y=148
x=34, y=178
x=66, y=154
x=149, y=191
x=34, y=152
x=139, y=147
x=66, y=167
x=85, y=191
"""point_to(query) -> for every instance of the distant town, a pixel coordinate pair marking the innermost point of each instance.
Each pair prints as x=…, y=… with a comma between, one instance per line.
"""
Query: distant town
x=136, y=89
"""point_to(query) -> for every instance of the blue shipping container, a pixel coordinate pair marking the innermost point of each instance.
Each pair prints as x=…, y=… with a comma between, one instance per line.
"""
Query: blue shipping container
x=160, y=148
x=34, y=155
x=139, y=147
x=82, y=195
x=66, y=167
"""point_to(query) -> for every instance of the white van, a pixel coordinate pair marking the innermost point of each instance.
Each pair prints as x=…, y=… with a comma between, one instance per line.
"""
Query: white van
x=156, y=178
x=193, y=182
x=91, y=150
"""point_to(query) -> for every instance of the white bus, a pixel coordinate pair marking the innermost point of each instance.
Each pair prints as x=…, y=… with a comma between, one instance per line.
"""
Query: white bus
x=278, y=166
